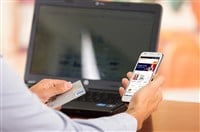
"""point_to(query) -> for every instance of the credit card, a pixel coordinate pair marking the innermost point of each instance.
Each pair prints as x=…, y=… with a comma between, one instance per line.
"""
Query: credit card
x=76, y=91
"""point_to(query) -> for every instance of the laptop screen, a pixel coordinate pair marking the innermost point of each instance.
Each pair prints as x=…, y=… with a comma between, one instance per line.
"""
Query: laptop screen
x=90, y=43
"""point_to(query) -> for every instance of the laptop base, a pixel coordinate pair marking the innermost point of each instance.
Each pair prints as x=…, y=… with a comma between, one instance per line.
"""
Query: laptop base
x=91, y=109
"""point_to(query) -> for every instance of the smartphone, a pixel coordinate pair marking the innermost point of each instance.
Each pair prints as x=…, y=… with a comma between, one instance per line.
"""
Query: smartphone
x=145, y=68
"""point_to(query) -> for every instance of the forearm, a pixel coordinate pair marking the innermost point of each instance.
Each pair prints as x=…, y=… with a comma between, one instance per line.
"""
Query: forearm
x=22, y=111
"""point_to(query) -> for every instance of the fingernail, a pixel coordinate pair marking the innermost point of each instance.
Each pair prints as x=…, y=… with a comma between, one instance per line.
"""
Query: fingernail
x=68, y=84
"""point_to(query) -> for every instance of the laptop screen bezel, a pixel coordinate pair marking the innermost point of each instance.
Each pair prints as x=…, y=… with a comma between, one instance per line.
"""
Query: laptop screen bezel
x=139, y=7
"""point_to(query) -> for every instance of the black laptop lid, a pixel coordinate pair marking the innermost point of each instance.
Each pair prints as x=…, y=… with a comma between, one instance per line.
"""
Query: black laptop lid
x=93, y=41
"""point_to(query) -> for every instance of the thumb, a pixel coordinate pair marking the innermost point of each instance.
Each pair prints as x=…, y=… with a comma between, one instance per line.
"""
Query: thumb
x=157, y=83
x=121, y=91
x=60, y=88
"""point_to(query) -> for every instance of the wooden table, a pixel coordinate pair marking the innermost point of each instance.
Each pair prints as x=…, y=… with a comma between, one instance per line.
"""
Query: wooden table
x=174, y=116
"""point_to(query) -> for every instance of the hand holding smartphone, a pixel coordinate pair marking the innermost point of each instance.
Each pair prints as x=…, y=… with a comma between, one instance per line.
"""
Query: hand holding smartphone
x=145, y=68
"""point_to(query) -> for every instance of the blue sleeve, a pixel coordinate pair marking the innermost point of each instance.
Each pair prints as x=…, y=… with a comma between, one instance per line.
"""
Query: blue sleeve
x=21, y=110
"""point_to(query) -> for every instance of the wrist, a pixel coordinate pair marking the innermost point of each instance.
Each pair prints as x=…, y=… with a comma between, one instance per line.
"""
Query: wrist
x=138, y=117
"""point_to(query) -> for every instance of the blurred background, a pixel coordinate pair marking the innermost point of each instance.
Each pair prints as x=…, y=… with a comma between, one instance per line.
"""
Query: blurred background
x=179, y=41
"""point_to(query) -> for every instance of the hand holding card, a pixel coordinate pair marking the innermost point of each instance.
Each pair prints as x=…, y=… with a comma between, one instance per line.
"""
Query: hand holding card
x=76, y=91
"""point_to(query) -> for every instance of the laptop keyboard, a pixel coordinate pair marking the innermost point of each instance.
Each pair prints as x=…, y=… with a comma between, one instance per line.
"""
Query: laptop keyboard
x=101, y=97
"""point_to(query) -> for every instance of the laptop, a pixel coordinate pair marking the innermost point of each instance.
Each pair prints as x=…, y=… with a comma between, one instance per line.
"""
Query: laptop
x=95, y=42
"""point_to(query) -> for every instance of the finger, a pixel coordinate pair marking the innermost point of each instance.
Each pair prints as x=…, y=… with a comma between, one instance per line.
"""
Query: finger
x=156, y=83
x=52, y=82
x=156, y=105
x=58, y=108
x=157, y=100
x=49, y=83
x=58, y=82
x=154, y=76
x=125, y=82
x=62, y=87
x=160, y=95
x=121, y=91
x=59, y=88
x=129, y=74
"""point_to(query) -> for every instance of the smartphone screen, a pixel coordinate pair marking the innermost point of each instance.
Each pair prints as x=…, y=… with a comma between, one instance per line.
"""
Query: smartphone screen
x=143, y=72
